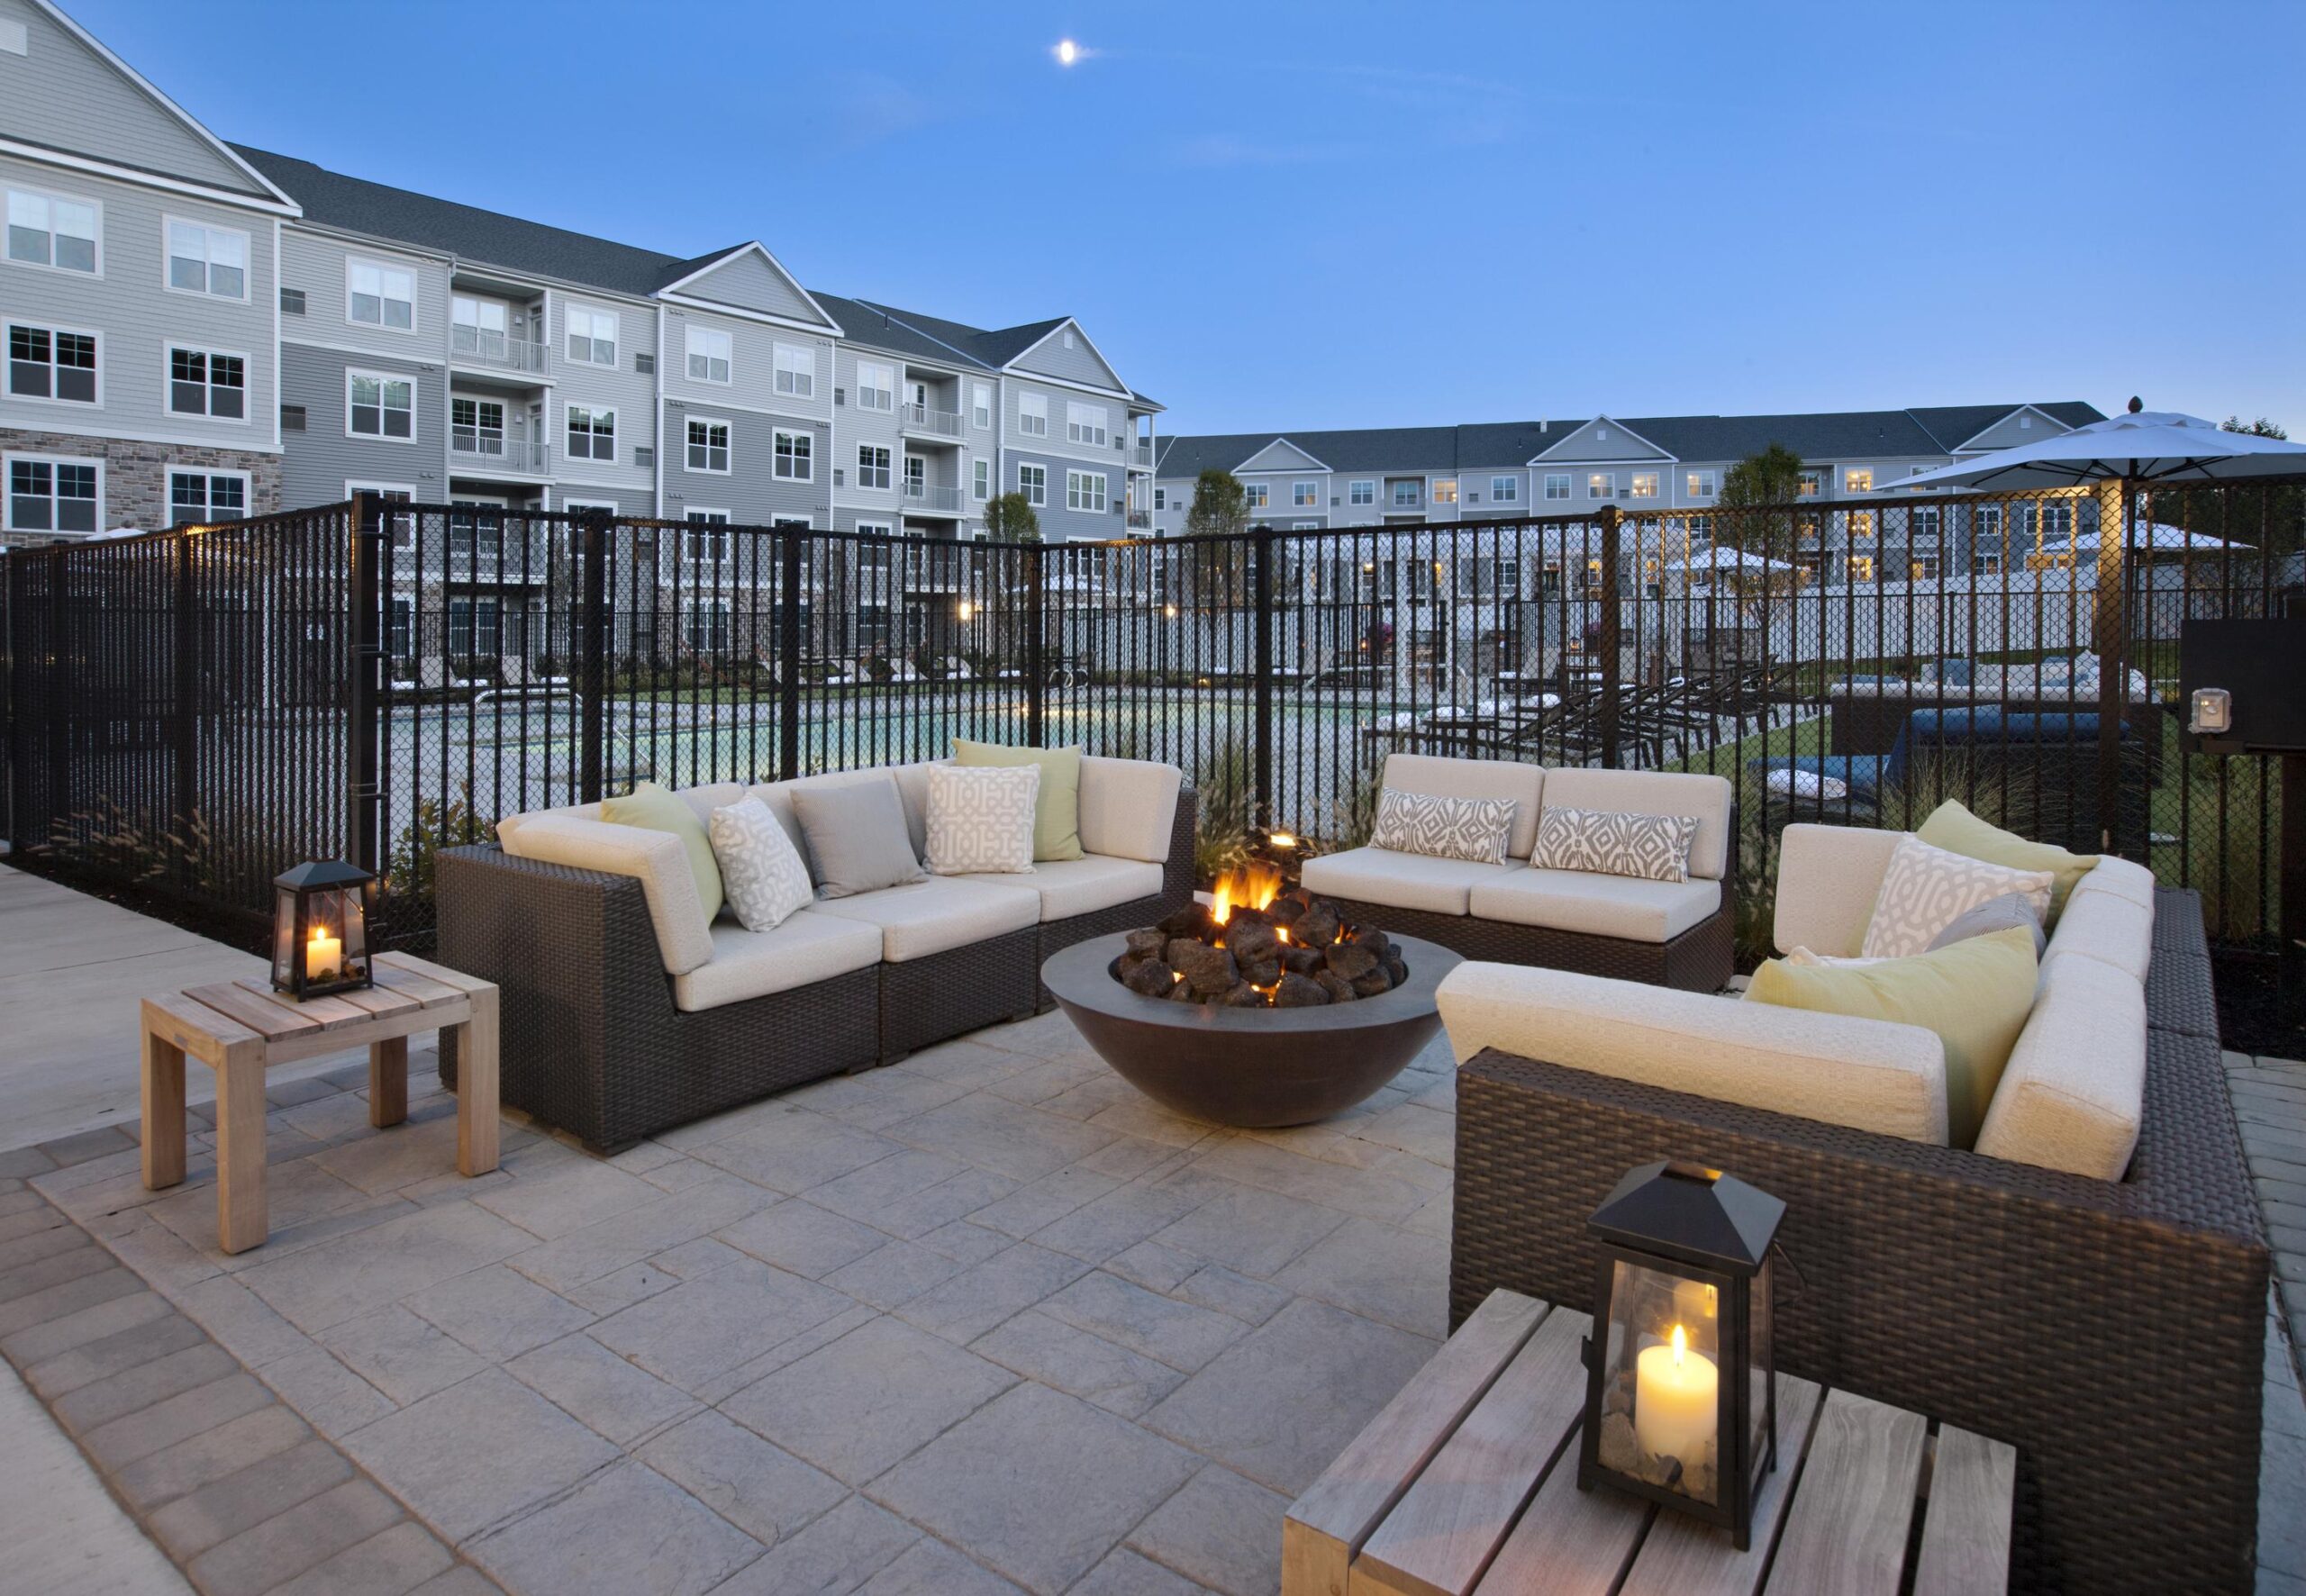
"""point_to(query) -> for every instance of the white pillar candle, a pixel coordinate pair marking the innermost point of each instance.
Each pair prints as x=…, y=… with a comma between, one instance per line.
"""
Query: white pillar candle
x=1675, y=1399
x=323, y=956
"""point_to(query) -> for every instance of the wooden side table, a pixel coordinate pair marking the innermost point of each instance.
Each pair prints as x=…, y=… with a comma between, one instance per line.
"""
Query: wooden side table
x=241, y=1029
x=1466, y=1485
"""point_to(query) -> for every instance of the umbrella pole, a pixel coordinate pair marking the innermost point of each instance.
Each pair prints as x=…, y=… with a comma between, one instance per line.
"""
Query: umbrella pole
x=2116, y=503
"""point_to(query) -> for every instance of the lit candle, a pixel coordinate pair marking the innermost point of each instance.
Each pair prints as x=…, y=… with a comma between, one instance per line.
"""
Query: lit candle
x=323, y=955
x=1675, y=1399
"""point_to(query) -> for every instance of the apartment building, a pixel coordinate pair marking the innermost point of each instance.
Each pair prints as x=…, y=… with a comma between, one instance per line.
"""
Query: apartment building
x=1414, y=475
x=200, y=330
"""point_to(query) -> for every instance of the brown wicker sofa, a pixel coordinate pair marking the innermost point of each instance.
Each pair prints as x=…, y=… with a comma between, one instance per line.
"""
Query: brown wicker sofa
x=2112, y=1331
x=600, y=1039
x=1675, y=934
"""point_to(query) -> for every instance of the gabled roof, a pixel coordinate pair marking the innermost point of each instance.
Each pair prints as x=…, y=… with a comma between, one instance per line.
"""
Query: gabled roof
x=1297, y=458
x=1599, y=424
x=694, y=281
x=1953, y=425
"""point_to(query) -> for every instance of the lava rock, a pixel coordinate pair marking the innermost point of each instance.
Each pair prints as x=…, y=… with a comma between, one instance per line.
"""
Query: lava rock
x=1183, y=992
x=1375, y=940
x=1152, y=978
x=1299, y=991
x=1285, y=909
x=1304, y=960
x=1351, y=960
x=1252, y=943
x=1244, y=997
x=1395, y=967
x=1340, y=989
x=1243, y=917
x=1192, y=921
x=1151, y=939
x=1209, y=970
x=1374, y=983
x=1318, y=926
x=1263, y=974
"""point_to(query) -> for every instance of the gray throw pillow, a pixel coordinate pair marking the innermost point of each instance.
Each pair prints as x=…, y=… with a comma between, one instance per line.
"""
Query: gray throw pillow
x=1995, y=914
x=857, y=837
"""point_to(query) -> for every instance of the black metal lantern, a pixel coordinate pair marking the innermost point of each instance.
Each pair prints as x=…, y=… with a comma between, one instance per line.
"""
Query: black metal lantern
x=319, y=929
x=1681, y=1395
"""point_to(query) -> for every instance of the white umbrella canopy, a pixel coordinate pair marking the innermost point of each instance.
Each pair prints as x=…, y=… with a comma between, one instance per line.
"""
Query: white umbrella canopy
x=2160, y=537
x=2142, y=446
x=1729, y=560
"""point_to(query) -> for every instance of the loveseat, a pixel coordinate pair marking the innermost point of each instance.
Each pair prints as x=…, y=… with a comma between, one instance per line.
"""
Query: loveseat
x=1670, y=933
x=625, y=1013
x=2087, y=1284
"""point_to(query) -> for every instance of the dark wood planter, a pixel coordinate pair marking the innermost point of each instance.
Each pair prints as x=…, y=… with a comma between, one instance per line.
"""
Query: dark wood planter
x=1251, y=1067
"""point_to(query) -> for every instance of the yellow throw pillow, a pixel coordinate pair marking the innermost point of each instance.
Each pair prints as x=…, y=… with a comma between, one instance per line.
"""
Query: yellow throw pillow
x=1057, y=806
x=652, y=808
x=1975, y=995
x=1958, y=832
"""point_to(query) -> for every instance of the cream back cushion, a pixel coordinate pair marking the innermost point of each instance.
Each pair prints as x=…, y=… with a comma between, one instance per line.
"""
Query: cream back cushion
x=1705, y=798
x=656, y=859
x=1438, y=777
x=1828, y=877
x=1129, y=807
x=2074, y=1091
x=2105, y=926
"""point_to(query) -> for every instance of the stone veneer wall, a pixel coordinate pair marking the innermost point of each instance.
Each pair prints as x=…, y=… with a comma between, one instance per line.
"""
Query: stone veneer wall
x=136, y=474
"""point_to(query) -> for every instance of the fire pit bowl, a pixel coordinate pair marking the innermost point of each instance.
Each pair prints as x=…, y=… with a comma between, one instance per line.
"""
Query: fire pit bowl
x=1254, y=1067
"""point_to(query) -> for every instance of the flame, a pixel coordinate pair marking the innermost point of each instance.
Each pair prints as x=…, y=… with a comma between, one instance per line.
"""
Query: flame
x=1282, y=932
x=1252, y=887
x=1681, y=1344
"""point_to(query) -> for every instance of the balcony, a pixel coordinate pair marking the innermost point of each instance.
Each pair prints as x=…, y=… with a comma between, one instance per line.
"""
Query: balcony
x=1140, y=521
x=1142, y=455
x=928, y=497
x=492, y=452
x=926, y=421
x=504, y=351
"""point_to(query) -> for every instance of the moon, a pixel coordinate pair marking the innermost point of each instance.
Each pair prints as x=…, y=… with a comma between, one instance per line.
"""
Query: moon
x=1067, y=53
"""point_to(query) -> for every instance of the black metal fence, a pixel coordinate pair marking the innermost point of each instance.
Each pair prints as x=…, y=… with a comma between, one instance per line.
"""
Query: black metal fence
x=191, y=710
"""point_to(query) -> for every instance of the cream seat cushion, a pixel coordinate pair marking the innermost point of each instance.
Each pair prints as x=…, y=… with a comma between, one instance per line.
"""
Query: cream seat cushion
x=656, y=859
x=1706, y=798
x=1402, y=880
x=2074, y=1091
x=1068, y=887
x=1128, y=808
x=1871, y=1074
x=1627, y=906
x=938, y=915
x=805, y=947
x=1437, y=777
x=2105, y=926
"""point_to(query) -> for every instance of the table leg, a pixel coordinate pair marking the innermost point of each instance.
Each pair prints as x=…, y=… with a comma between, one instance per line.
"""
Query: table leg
x=242, y=1220
x=388, y=1081
x=163, y=1112
x=477, y=1087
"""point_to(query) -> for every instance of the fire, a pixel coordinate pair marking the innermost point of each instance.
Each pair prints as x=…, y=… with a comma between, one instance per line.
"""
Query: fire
x=1254, y=885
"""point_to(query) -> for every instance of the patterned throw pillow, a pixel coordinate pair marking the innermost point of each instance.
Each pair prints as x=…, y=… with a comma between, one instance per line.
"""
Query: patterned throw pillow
x=1652, y=846
x=1474, y=829
x=759, y=866
x=981, y=818
x=1926, y=889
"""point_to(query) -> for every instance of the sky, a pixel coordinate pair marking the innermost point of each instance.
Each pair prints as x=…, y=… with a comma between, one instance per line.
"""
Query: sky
x=1283, y=216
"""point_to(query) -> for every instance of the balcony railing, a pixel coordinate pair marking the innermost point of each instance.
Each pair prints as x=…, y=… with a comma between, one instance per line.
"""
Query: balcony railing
x=499, y=453
x=1139, y=519
x=1143, y=454
x=480, y=347
x=923, y=418
x=927, y=495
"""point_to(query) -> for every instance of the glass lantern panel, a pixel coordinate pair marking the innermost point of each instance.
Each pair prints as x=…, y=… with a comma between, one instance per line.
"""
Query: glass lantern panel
x=1758, y=1365
x=324, y=938
x=284, y=935
x=1661, y=1398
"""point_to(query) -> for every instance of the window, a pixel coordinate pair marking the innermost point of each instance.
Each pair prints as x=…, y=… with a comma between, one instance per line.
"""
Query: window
x=1445, y=491
x=292, y=302
x=1985, y=562
x=1924, y=568
x=709, y=352
x=591, y=433
x=1085, y=490
x=476, y=426
x=1304, y=494
x=1926, y=522
x=1861, y=567
x=1361, y=493
x=1032, y=481
x=981, y=480
x=1160, y=498
x=1032, y=415
x=1405, y=495
x=477, y=327
x=381, y=406
x=877, y=386
x=1601, y=485
x=206, y=497
x=981, y=405
x=1557, y=485
x=1254, y=495
x=49, y=363
x=1861, y=524
x=1642, y=484
x=203, y=382
x=401, y=635
x=708, y=446
x=1857, y=479
x=404, y=527
x=796, y=456
x=796, y=371
x=592, y=335
x=706, y=626
x=476, y=625
x=46, y=496
x=380, y=296
x=1505, y=490
x=1086, y=423
x=872, y=466
x=1304, y=526
x=292, y=418
x=706, y=541
x=52, y=231
x=205, y=259
x=1701, y=485
x=1807, y=485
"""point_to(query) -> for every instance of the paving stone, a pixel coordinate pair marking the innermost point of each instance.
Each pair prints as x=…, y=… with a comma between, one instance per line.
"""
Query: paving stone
x=1154, y=1266
x=1362, y=1192
x=335, y=1400
x=461, y=1581
x=20, y=1162
x=610, y=1245
x=1252, y=1301
x=859, y=1406
x=1429, y=1133
x=932, y=1568
x=635, y=1282
x=969, y=1063
x=1220, y=1529
x=703, y=1328
x=942, y=1204
x=1085, y=1100
x=386, y=1162
x=289, y=1094
x=976, y=1300
x=41, y=1244
x=1055, y=1353
x=240, y=1322
x=1005, y=1138
x=896, y=1273
x=721, y=1387
x=400, y=1355
x=1049, y=1079
x=626, y=1531
x=165, y=1259
x=212, y=1456
x=691, y=1259
x=1132, y=1157
x=66, y=1151
x=761, y=1489
x=100, y=1401
x=798, y=1235
x=968, y=1243
x=1044, y=1036
x=1175, y=1333
x=586, y=1379
x=1125, y=1573
x=112, y=1354
x=863, y=1194
x=56, y=1269
x=1140, y=1117
x=392, y=1563
x=877, y=1099
x=1099, y=1476
x=2281, y=1536
x=1043, y=1202
x=795, y=1150
x=835, y=1553
x=45, y=1305
x=281, y=1547
x=1250, y=1232
x=223, y=1509
x=325, y=1286
x=1281, y=1403
x=1116, y=1221
x=115, y=1308
x=566, y=1196
x=1379, y=1272
x=479, y=1453
x=499, y=1313
x=30, y=1219
x=165, y=1423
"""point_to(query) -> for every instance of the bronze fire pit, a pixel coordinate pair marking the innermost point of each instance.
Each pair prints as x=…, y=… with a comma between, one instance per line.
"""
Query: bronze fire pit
x=1252, y=1067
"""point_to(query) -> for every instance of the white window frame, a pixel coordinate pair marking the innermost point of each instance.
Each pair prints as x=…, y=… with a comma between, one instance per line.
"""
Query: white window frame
x=1089, y=424
x=1160, y=498
x=594, y=414
x=51, y=197
x=170, y=223
x=875, y=476
x=177, y=468
x=804, y=455
x=1564, y=480
x=1703, y=484
x=1505, y=490
x=795, y=370
x=351, y=373
x=1601, y=484
x=873, y=394
x=1256, y=495
x=1857, y=479
x=1079, y=496
x=353, y=263
x=704, y=535
x=715, y=612
x=1641, y=485
x=8, y=378
x=403, y=535
x=592, y=339
x=727, y=446
x=1304, y=526
x=169, y=349
x=981, y=480
x=1032, y=481
x=1809, y=484
x=1442, y=490
x=727, y=355
x=1032, y=416
x=1304, y=495
x=981, y=405
x=8, y=463
x=1362, y=491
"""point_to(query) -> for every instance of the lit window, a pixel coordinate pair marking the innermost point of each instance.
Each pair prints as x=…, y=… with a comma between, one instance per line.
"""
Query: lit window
x=206, y=497
x=876, y=385
x=1601, y=485
x=796, y=371
x=380, y=296
x=1445, y=491
x=1254, y=495
x=1032, y=415
x=205, y=259
x=1086, y=423
x=381, y=406
x=1557, y=485
x=872, y=466
x=1861, y=524
x=1861, y=567
x=1808, y=486
x=1304, y=494
x=1032, y=481
x=1362, y=493
x=1857, y=479
x=1085, y=490
x=592, y=336
x=709, y=353
x=708, y=447
x=591, y=433
x=1642, y=484
x=1505, y=490
x=203, y=383
x=49, y=230
x=44, y=363
x=1701, y=485
x=52, y=496
x=796, y=456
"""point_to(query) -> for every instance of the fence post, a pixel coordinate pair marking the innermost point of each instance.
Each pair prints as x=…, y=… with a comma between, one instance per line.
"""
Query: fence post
x=1036, y=666
x=788, y=657
x=592, y=613
x=1261, y=597
x=1611, y=624
x=363, y=765
x=11, y=570
x=184, y=665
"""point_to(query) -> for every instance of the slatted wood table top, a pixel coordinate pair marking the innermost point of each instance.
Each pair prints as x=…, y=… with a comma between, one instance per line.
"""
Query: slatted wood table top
x=1466, y=1485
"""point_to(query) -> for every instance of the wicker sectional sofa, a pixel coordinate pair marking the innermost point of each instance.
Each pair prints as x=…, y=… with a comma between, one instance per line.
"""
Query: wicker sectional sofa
x=625, y=1014
x=1667, y=933
x=2111, y=1328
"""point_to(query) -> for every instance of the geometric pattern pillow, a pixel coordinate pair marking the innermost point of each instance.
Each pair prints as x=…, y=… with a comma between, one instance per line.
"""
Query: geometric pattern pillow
x=1475, y=828
x=1926, y=889
x=981, y=818
x=1652, y=846
x=759, y=866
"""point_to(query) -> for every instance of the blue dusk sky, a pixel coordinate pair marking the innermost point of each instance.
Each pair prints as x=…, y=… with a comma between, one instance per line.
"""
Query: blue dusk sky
x=1331, y=215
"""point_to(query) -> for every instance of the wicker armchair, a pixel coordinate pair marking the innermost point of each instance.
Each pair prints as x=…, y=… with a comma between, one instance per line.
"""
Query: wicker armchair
x=2111, y=1331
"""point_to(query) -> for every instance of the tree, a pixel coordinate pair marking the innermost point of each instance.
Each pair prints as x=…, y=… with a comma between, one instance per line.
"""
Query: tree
x=1011, y=519
x=1221, y=505
x=1757, y=500
x=2261, y=427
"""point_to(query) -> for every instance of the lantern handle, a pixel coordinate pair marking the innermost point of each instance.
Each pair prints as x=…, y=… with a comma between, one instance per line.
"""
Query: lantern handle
x=1801, y=1284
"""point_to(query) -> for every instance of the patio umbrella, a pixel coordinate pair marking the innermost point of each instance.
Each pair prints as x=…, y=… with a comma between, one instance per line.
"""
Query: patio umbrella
x=1729, y=560
x=2143, y=448
x=2161, y=537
